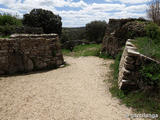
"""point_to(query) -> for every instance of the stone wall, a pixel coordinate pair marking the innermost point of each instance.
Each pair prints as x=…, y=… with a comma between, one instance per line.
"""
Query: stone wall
x=117, y=33
x=131, y=61
x=115, y=24
x=29, y=52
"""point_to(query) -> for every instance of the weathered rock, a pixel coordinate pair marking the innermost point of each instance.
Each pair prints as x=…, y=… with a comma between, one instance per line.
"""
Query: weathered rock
x=129, y=66
x=27, y=52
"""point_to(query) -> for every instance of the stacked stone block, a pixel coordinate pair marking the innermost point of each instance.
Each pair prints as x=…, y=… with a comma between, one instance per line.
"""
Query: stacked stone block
x=29, y=52
x=130, y=64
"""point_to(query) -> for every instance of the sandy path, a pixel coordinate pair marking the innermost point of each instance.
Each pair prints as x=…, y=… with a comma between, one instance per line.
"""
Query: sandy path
x=76, y=92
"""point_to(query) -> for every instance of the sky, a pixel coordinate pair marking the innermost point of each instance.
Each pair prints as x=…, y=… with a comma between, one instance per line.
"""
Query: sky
x=77, y=13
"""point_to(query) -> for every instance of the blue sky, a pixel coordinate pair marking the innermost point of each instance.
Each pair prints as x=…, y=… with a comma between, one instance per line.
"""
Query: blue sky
x=76, y=13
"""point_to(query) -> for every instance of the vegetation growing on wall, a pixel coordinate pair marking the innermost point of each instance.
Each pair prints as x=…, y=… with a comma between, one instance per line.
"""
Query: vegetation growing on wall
x=150, y=45
x=150, y=76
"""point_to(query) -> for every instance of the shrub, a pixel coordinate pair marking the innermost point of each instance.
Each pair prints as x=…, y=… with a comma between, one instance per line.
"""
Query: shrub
x=150, y=75
x=7, y=19
x=7, y=30
x=95, y=31
x=153, y=31
x=8, y=24
x=50, y=22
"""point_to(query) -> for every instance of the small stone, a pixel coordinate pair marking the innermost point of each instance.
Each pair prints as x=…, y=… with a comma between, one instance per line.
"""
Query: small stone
x=129, y=60
x=133, y=53
x=129, y=67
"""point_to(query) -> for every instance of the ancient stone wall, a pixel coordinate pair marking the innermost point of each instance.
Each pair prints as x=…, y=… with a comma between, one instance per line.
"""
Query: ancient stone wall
x=29, y=52
x=131, y=61
x=117, y=33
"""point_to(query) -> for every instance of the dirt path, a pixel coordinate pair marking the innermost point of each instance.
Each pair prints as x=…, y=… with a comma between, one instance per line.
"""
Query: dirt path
x=76, y=92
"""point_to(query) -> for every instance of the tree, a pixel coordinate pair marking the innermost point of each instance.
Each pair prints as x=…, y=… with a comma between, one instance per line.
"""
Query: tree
x=50, y=22
x=8, y=24
x=95, y=31
x=153, y=11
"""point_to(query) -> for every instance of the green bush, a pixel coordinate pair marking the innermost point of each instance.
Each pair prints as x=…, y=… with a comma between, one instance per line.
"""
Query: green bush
x=95, y=31
x=50, y=22
x=7, y=30
x=150, y=75
x=153, y=32
x=8, y=24
x=7, y=19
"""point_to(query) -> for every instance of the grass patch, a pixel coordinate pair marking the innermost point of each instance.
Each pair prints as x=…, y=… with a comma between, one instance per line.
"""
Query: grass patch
x=141, y=101
x=86, y=50
x=83, y=50
x=66, y=52
x=104, y=56
x=148, y=47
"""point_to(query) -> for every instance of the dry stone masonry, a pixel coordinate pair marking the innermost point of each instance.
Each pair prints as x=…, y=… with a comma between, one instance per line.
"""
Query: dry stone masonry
x=118, y=31
x=29, y=52
x=131, y=61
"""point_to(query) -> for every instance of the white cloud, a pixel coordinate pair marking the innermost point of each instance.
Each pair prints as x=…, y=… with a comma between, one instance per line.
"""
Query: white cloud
x=87, y=12
x=7, y=2
x=129, y=1
x=136, y=8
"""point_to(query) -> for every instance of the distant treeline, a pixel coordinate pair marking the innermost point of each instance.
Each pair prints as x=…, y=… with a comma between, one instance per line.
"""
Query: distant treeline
x=78, y=33
x=92, y=32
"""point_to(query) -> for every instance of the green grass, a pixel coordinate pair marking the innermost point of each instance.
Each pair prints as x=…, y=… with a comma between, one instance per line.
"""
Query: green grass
x=86, y=50
x=148, y=47
x=66, y=52
x=140, y=101
x=83, y=50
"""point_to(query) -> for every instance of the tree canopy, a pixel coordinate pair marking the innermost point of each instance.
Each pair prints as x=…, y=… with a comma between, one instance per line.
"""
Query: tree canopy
x=46, y=19
x=95, y=31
